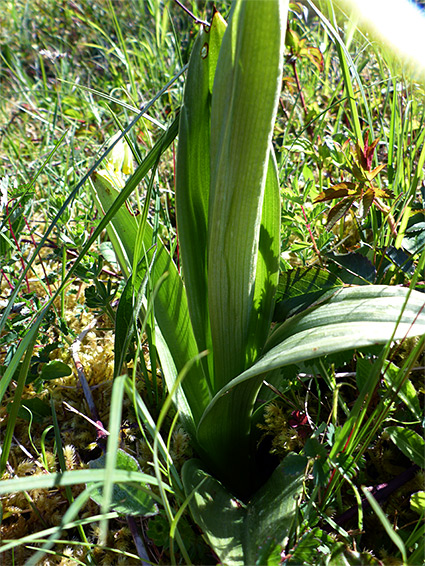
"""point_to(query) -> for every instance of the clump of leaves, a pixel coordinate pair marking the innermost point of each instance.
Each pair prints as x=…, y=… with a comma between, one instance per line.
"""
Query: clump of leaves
x=299, y=48
x=361, y=189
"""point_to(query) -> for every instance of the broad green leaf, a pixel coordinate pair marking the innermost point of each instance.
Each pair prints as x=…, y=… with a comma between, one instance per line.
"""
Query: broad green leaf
x=54, y=370
x=239, y=420
x=126, y=498
x=267, y=274
x=217, y=512
x=224, y=434
x=271, y=513
x=360, y=308
x=409, y=442
x=172, y=316
x=123, y=228
x=300, y=288
x=237, y=531
x=352, y=318
x=193, y=179
x=170, y=306
x=242, y=119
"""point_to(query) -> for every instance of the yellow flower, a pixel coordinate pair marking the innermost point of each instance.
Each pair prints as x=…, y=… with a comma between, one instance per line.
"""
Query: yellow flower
x=120, y=160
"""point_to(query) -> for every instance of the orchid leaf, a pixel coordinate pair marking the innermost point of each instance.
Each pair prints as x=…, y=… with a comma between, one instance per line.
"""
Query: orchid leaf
x=242, y=121
x=272, y=510
x=267, y=273
x=170, y=304
x=354, y=317
x=300, y=288
x=122, y=231
x=193, y=179
x=218, y=513
x=235, y=530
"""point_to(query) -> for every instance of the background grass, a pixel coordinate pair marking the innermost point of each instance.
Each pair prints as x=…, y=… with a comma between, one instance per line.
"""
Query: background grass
x=70, y=73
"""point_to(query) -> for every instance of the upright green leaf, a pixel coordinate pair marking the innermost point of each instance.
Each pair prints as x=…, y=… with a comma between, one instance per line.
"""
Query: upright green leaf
x=232, y=433
x=193, y=178
x=122, y=231
x=242, y=118
x=170, y=305
x=267, y=273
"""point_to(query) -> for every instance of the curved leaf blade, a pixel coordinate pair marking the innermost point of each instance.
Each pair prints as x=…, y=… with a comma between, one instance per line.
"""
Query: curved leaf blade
x=373, y=304
x=267, y=269
x=177, y=342
x=238, y=531
x=218, y=513
x=352, y=318
x=272, y=510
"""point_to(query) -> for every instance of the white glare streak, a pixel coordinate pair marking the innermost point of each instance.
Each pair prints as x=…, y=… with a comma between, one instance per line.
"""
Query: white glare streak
x=400, y=23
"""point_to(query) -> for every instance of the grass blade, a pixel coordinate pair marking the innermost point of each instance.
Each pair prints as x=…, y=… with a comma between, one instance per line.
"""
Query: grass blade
x=397, y=540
